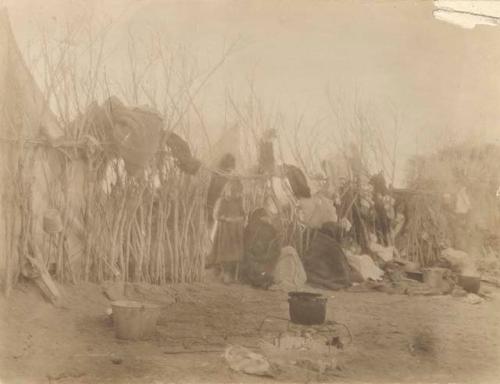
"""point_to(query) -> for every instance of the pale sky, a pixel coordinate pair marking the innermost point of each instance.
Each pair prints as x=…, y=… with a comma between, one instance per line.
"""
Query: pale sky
x=439, y=77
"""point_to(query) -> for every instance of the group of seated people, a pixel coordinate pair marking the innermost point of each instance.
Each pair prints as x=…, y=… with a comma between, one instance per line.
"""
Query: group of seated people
x=250, y=253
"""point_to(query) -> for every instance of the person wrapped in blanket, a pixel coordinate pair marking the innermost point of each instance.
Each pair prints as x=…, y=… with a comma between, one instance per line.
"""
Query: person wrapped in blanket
x=261, y=250
x=325, y=262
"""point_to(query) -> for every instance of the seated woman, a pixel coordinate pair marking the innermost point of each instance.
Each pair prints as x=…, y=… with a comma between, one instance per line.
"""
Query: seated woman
x=325, y=262
x=262, y=249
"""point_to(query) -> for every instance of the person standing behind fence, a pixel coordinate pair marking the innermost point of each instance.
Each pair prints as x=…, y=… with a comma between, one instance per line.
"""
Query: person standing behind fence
x=227, y=250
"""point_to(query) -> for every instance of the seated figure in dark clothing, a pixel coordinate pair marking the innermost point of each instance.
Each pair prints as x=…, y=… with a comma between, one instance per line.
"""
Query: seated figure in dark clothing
x=325, y=262
x=262, y=250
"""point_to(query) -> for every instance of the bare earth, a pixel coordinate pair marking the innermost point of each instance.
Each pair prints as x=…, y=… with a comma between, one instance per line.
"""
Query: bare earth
x=75, y=342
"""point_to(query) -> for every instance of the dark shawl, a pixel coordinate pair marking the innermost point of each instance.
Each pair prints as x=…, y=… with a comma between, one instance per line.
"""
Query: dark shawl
x=325, y=262
x=298, y=181
x=180, y=151
x=262, y=249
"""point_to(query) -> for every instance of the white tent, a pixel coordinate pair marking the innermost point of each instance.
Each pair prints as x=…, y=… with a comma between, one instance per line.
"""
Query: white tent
x=25, y=118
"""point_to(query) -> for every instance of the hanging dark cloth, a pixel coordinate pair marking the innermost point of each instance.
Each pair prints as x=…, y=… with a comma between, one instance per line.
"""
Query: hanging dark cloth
x=133, y=132
x=262, y=250
x=325, y=262
x=298, y=181
x=184, y=160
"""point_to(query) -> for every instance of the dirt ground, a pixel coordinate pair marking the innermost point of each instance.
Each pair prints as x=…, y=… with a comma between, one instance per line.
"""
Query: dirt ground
x=396, y=338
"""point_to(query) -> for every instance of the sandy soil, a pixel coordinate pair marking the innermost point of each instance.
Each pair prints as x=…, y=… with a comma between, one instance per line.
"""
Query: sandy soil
x=396, y=338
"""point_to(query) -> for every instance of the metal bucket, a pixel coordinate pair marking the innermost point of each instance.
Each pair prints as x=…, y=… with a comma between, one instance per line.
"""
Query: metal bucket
x=134, y=320
x=307, y=308
x=469, y=283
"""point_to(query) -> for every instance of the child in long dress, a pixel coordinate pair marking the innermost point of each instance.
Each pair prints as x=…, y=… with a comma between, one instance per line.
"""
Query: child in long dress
x=227, y=251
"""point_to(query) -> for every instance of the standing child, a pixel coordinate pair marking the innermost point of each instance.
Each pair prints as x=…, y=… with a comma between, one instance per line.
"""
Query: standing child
x=227, y=249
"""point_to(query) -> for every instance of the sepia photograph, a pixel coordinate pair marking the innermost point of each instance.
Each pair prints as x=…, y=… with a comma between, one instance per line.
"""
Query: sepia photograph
x=249, y=191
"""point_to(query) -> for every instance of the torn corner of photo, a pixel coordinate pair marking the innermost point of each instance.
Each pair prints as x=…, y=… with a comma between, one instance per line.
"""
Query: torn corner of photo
x=468, y=14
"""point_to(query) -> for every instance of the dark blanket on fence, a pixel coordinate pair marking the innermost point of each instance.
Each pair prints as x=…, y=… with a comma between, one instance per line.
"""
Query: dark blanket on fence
x=298, y=181
x=179, y=149
x=134, y=133
x=325, y=263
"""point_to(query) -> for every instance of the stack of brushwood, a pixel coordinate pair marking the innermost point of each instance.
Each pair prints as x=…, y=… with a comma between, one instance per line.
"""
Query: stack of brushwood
x=150, y=228
x=426, y=231
x=451, y=201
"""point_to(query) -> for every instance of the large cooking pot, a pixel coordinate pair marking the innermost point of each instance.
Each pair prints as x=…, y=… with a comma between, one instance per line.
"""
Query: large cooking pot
x=307, y=308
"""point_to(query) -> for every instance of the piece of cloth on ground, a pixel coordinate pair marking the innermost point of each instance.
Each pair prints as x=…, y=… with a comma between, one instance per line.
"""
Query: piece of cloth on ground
x=325, y=262
x=289, y=273
x=241, y=359
x=385, y=253
x=365, y=267
x=460, y=262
